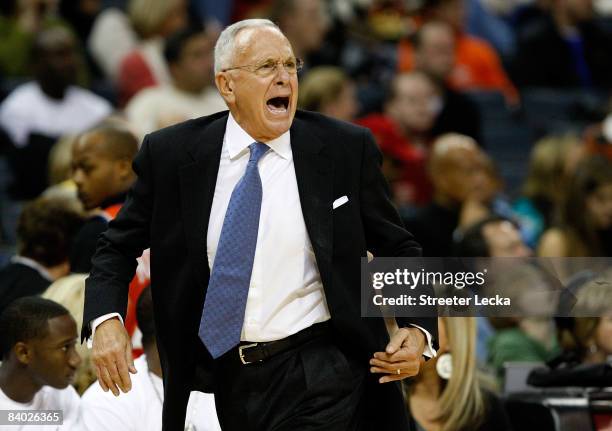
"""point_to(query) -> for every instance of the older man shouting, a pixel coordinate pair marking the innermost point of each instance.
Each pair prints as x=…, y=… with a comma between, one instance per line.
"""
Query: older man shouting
x=257, y=219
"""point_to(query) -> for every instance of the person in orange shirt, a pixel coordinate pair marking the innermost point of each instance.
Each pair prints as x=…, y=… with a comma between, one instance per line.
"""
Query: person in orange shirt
x=477, y=67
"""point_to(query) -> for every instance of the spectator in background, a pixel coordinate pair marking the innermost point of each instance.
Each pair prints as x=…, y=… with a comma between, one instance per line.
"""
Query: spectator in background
x=542, y=193
x=102, y=171
x=20, y=21
x=586, y=214
x=403, y=133
x=111, y=38
x=588, y=340
x=460, y=173
x=304, y=22
x=189, y=55
x=45, y=231
x=494, y=236
x=434, y=54
x=449, y=393
x=141, y=408
x=490, y=20
x=567, y=49
x=477, y=67
x=39, y=359
x=37, y=113
x=328, y=90
x=532, y=336
x=69, y=291
x=145, y=66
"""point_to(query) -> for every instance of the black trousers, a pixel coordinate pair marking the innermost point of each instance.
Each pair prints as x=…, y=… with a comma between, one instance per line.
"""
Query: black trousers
x=314, y=386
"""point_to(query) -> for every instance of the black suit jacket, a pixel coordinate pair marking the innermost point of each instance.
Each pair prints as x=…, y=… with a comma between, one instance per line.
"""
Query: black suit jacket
x=168, y=209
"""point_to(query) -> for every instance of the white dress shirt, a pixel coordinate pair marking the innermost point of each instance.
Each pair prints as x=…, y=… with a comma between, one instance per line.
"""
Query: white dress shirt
x=286, y=293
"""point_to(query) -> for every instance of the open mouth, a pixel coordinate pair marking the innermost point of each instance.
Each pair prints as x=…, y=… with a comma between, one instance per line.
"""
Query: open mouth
x=278, y=105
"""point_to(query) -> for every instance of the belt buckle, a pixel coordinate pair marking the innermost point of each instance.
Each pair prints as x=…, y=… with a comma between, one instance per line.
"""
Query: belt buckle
x=241, y=349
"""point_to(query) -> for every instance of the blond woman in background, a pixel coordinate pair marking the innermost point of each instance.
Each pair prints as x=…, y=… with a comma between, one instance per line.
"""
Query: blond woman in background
x=449, y=393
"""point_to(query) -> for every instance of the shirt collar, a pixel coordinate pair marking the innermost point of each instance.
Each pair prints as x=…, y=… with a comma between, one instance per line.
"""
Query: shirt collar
x=238, y=140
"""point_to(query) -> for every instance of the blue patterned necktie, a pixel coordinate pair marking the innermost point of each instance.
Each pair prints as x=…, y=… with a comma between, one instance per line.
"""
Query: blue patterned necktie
x=228, y=288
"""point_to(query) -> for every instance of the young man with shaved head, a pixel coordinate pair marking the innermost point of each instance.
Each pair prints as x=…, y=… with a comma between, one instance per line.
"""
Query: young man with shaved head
x=39, y=361
x=257, y=219
x=102, y=171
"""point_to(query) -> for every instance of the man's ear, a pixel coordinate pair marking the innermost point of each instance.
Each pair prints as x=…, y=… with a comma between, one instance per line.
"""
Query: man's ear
x=23, y=352
x=125, y=168
x=225, y=85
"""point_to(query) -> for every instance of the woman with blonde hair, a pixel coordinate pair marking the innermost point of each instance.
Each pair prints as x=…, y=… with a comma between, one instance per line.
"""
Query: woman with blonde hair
x=542, y=192
x=588, y=336
x=449, y=393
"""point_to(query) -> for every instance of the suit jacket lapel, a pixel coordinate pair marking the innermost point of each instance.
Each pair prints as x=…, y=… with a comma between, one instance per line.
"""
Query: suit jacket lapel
x=314, y=170
x=198, y=177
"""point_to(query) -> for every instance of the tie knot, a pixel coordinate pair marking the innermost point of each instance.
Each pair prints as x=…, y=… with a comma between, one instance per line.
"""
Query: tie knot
x=257, y=151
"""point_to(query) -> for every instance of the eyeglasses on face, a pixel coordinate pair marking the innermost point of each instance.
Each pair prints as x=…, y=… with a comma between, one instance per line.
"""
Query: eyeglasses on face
x=271, y=67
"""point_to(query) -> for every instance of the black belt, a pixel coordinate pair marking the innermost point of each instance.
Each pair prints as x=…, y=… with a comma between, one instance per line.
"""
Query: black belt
x=258, y=352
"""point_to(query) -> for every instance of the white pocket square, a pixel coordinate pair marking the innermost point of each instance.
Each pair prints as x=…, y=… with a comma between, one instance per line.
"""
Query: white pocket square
x=340, y=201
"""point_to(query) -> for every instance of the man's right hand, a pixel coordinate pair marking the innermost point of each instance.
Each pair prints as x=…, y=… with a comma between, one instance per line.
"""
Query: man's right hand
x=112, y=356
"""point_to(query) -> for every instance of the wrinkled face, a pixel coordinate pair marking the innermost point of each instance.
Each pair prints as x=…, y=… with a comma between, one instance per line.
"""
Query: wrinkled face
x=603, y=334
x=194, y=68
x=54, y=359
x=504, y=240
x=416, y=103
x=97, y=175
x=436, y=54
x=263, y=95
x=599, y=206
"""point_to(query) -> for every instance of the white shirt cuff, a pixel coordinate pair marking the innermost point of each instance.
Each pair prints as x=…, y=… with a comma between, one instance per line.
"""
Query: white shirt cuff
x=96, y=322
x=429, y=351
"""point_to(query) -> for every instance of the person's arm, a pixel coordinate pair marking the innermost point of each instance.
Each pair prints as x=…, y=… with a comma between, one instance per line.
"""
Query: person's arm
x=96, y=322
x=113, y=267
x=387, y=237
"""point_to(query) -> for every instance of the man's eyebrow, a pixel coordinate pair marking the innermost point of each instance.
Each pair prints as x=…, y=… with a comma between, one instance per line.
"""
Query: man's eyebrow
x=66, y=340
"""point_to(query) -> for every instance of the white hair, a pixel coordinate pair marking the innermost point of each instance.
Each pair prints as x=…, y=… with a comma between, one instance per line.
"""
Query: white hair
x=224, y=48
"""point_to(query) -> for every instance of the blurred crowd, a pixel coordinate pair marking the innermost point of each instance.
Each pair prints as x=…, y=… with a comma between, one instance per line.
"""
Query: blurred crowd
x=494, y=119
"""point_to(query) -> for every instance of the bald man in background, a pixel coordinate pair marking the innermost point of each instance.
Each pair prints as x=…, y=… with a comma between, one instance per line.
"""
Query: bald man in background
x=102, y=170
x=458, y=172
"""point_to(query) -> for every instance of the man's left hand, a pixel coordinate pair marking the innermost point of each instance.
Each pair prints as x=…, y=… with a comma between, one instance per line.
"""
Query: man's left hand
x=404, y=353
